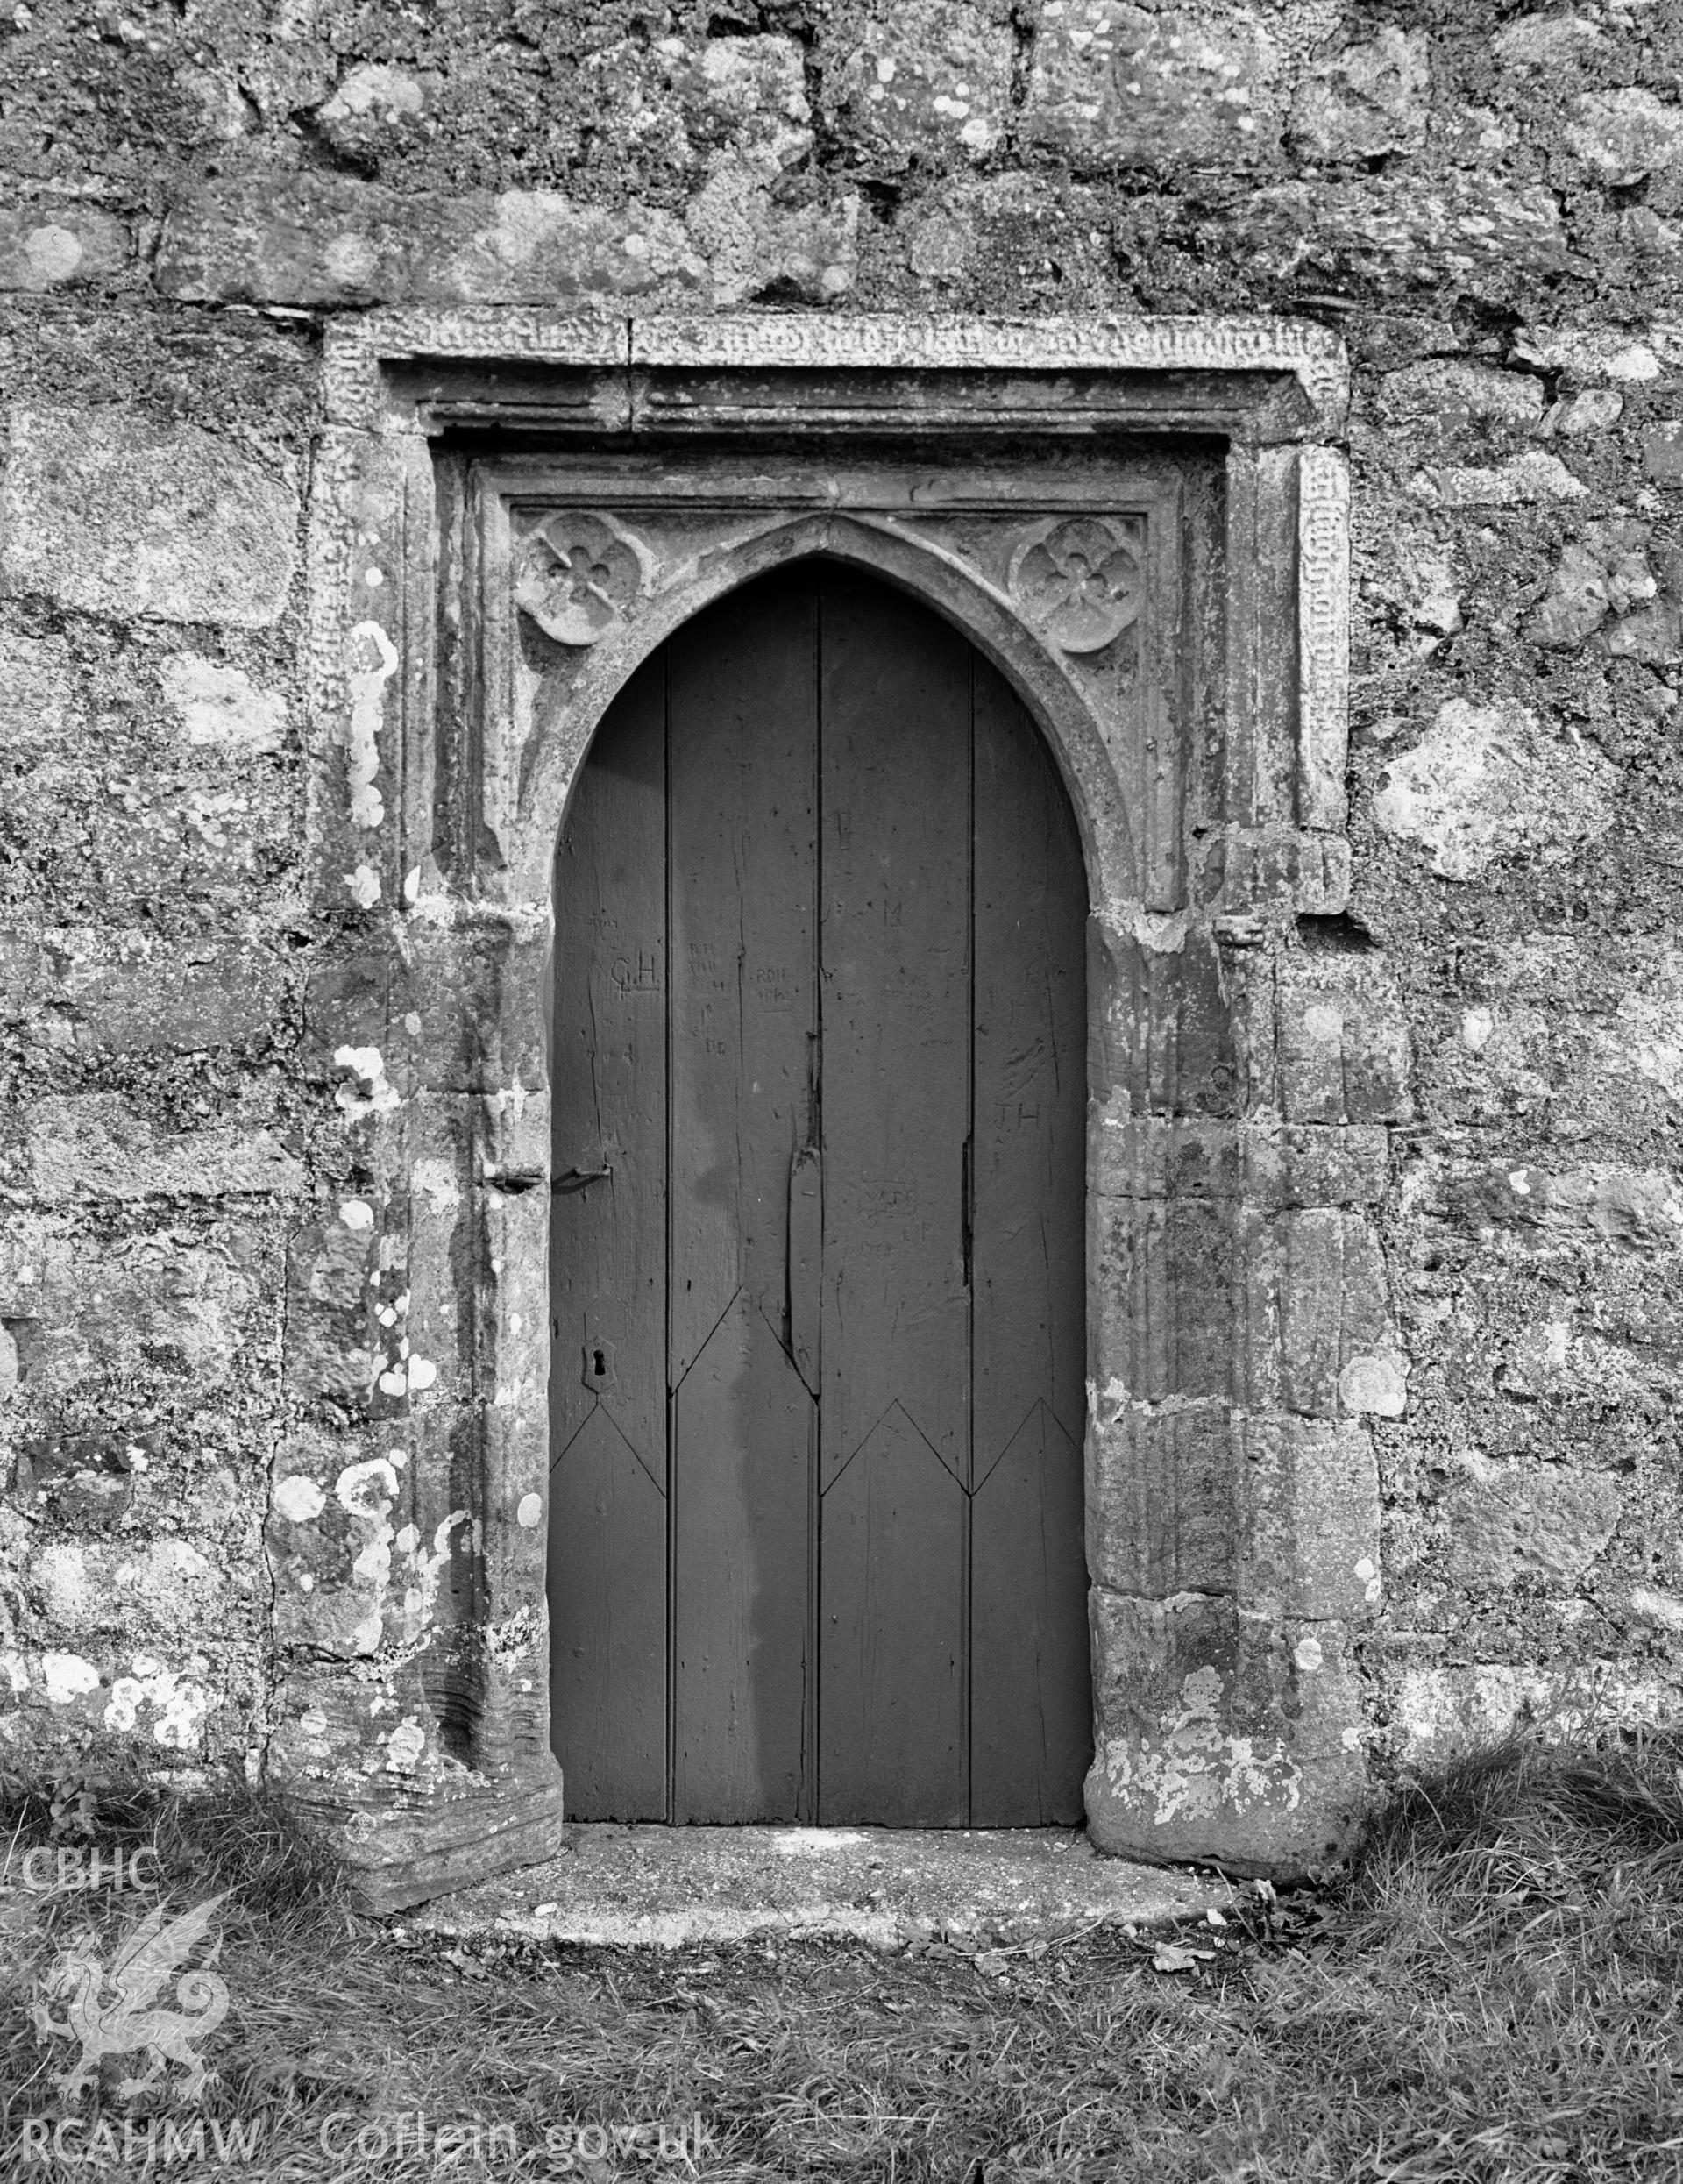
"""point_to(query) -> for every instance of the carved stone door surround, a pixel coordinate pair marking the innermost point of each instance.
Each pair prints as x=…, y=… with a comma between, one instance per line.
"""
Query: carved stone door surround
x=1144, y=524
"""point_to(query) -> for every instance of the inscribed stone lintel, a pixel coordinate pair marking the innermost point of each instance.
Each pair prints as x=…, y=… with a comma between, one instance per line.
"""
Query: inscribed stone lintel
x=747, y=342
x=1324, y=634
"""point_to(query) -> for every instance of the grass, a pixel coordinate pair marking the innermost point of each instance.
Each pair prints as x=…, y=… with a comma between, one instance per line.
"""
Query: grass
x=1490, y=1992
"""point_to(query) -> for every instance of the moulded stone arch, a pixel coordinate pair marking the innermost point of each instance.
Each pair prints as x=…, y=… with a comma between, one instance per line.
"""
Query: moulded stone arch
x=565, y=724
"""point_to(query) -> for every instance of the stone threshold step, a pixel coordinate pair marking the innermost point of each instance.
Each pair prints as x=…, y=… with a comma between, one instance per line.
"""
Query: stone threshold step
x=672, y=1886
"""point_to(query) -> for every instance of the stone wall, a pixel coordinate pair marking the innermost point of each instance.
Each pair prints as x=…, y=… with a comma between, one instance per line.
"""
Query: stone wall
x=1487, y=206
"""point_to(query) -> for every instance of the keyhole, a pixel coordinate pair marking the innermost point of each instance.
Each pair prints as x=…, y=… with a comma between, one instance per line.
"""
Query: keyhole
x=601, y=1366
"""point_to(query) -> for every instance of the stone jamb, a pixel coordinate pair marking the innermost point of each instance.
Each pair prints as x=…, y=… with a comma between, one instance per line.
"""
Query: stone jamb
x=1238, y=1113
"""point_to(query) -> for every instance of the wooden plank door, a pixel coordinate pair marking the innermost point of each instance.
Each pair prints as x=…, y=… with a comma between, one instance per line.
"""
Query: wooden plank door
x=816, y=1493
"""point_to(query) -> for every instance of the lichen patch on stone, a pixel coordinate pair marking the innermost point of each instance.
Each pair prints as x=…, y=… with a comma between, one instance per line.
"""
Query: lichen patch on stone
x=1487, y=781
x=371, y=661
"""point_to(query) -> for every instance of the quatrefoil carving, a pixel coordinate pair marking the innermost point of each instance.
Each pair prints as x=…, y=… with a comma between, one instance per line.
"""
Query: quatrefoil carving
x=577, y=574
x=1079, y=581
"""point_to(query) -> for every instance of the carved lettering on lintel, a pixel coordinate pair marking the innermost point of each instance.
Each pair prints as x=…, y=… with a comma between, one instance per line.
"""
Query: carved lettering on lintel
x=357, y=351
x=1323, y=634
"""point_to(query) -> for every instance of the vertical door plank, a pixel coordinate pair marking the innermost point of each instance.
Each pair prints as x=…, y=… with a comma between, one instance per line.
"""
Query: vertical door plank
x=895, y=1333
x=891, y=1637
x=607, y=1272
x=742, y=1454
x=1030, y=1709
x=607, y=1627
x=743, y=790
x=1031, y=1706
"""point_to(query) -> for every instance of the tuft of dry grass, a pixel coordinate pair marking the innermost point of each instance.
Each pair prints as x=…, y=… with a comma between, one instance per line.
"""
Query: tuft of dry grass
x=224, y=1836
x=1490, y=1993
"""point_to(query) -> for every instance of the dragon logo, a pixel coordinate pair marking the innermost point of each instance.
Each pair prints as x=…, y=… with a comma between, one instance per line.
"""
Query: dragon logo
x=111, y=2012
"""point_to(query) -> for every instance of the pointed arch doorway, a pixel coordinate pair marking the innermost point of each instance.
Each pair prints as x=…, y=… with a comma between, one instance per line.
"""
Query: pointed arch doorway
x=816, y=1251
